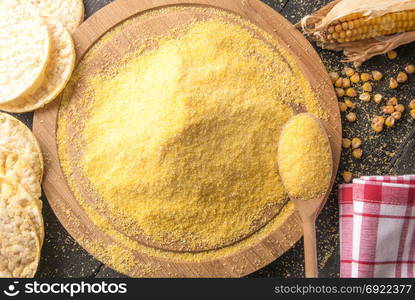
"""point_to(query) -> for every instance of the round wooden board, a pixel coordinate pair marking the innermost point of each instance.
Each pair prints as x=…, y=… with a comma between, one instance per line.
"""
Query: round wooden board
x=235, y=264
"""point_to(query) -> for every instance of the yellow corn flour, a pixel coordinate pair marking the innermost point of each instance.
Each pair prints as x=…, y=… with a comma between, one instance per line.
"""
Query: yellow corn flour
x=180, y=141
x=306, y=172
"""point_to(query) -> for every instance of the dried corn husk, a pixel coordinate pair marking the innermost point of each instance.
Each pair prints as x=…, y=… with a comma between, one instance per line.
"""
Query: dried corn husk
x=317, y=24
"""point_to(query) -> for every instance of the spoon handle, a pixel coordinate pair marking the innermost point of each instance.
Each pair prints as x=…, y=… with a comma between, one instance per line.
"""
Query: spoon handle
x=310, y=249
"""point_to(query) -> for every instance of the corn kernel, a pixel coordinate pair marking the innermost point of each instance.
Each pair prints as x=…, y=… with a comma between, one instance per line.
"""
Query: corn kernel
x=345, y=25
x=347, y=176
x=392, y=54
x=410, y=69
x=377, y=75
x=346, y=83
x=377, y=127
x=378, y=119
x=413, y=113
x=388, y=109
x=367, y=87
x=339, y=82
x=357, y=153
x=346, y=143
x=351, y=117
x=334, y=76
x=348, y=71
x=397, y=115
x=355, y=78
x=393, y=84
x=356, y=143
x=349, y=103
x=377, y=98
x=340, y=92
x=390, y=121
x=351, y=92
x=342, y=106
x=400, y=108
x=377, y=123
x=365, y=97
x=392, y=101
x=365, y=77
x=412, y=104
x=402, y=77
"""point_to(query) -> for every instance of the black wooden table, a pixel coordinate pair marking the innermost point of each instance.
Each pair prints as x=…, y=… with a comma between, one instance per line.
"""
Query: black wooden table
x=391, y=152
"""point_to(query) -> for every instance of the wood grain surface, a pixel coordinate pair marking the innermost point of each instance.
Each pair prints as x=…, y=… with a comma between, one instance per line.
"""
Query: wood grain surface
x=244, y=260
x=63, y=257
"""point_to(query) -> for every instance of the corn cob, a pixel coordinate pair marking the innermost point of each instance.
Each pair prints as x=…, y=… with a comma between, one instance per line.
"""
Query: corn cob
x=362, y=28
x=356, y=27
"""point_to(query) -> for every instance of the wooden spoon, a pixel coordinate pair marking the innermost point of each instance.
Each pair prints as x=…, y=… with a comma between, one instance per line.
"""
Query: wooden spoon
x=309, y=210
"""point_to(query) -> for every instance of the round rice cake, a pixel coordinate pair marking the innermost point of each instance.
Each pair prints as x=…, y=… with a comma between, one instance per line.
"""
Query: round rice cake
x=69, y=12
x=19, y=243
x=16, y=170
x=13, y=193
x=24, y=49
x=58, y=71
x=16, y=137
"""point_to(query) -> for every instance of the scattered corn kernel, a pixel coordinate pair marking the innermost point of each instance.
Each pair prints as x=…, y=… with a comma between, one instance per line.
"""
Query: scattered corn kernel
x=392, y=101
x=355, y=78
x=356, y=143
x=378, y=119
x=377, y=127
x=392, y=54
x=413, y=113
x=342, y=106
x=390, y=121
x=397, y=115
x=349, y=71
x=347, y=176
x=357, y=153
x=365, y=77
x=346, y=83
x=388, y=109
x=393, y=83
x=351, y=117
x=377, y=123
x=377, y=75
x=339, y=82
x=334, y=76
x=410, y=69
x=400, y=108
x=412, y=104
x=402, y=77
x=340, y=92
x=349, y=103
x=351, y=92
x=367, y=87
x=365, y=97
x=378, y=98
x=346, y=143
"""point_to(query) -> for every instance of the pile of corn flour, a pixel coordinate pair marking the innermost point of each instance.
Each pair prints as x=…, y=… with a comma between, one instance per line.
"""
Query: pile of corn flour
x=179, y=142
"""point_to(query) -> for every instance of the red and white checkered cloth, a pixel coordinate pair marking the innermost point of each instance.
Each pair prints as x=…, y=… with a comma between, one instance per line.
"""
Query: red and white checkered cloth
x=377, y=227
